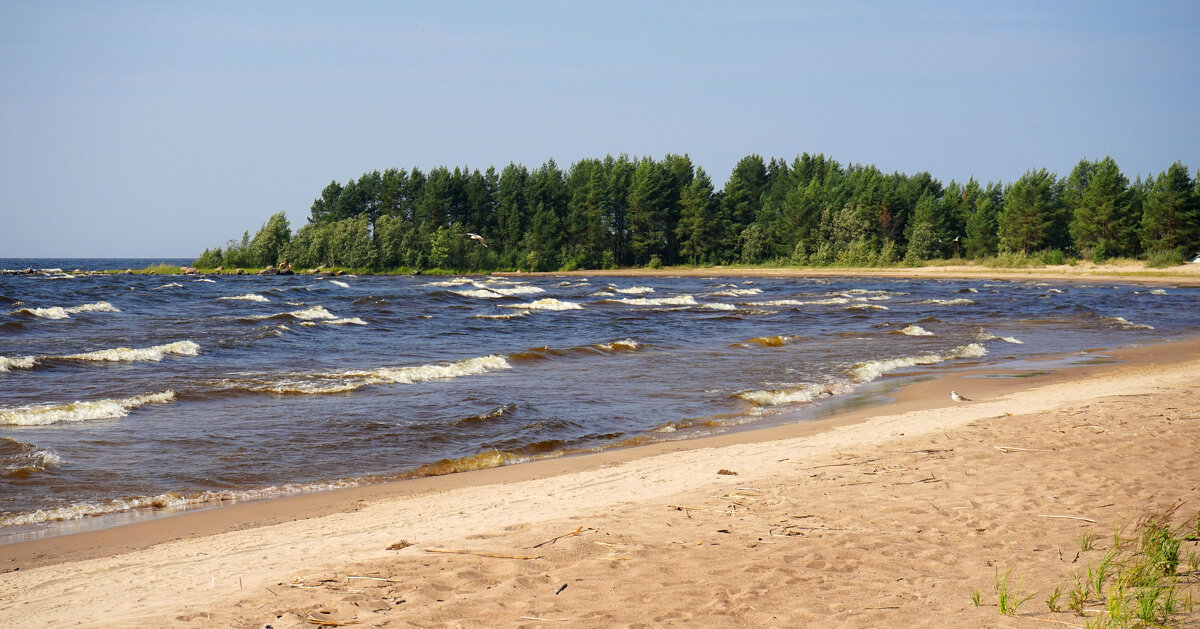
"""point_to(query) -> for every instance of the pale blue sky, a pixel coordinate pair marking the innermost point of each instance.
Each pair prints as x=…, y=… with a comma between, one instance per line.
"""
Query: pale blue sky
x=161, y=128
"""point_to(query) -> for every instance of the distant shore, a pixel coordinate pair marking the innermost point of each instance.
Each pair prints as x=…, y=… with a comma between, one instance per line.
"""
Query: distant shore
x=883, y=516
x=1183, y=275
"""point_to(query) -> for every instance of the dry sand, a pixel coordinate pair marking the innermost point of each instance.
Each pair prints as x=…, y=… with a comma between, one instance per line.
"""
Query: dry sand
x=887, y=518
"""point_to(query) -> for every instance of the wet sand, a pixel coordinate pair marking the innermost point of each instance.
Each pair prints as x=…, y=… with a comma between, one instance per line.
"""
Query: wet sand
x=886, y=516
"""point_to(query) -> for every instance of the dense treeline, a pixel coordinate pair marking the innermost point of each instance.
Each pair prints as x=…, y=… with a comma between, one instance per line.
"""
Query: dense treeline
x=619, y=211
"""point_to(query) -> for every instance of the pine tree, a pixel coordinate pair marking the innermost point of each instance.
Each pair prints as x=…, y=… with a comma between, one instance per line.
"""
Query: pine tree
x=1170, y=216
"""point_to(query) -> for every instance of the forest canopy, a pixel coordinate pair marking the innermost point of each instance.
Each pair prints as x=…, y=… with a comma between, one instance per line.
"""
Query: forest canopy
x=623, y=211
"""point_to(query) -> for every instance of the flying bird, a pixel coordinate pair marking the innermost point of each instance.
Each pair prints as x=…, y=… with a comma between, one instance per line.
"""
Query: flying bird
x=475, y=237
x=958, y=398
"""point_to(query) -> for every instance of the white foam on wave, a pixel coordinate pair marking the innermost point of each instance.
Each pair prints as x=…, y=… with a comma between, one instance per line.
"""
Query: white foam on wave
x=170, y=500
x=866, y=307
x=339, y=283
x=874, y=369
x=618, y=346
x=171, y=285
x=961, y=301
x=1129, y=325
x=125, y=354
x=346, y=321
x=633, y=290
x=548, y=303
x=59, y=312
x=458, y=281
x=832, y=301
x=916, y=330
x=523, y=289
x=346, y=381
x=479, y=293
x=25, y=362
x=18, y=458
x=205, y=279
x=311, y=313
x=737, y=292
x=795, y=395
x=714, y=305
x=246, y=297
x=47, y=414
x=681, y=300
x=984, y=335
x=508, y=315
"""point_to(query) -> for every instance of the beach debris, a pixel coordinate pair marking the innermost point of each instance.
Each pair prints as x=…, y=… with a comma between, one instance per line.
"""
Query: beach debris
x=1067, y=517
x=545, y=619
x=725, y=472
x=560, y=589
x=1007, y=449
x=574, y=533
x=326, y=623
x=402, y=544
x=451, y=551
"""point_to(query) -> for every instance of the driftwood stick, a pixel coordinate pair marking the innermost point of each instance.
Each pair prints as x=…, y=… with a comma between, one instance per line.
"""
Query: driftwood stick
x=451, y=551
x=555, y=539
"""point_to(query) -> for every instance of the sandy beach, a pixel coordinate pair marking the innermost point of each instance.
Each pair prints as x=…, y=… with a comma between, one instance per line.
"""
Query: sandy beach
x=887, y=516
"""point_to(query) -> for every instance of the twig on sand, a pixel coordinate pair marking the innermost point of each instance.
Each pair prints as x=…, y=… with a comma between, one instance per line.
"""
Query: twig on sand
x=451, y=551
x=1067, y=517
x=555, y=539
x=842, y=464
x=546, y=619
x=1007, y=449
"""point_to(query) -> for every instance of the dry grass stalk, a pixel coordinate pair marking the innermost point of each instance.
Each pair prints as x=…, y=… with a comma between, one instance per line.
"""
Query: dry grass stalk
x=326, y=623
x=1067, y=517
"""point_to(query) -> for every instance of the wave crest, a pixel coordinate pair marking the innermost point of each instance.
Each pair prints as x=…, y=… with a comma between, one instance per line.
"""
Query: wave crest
x=47, y=414
x=125, y=354
x=874, y=369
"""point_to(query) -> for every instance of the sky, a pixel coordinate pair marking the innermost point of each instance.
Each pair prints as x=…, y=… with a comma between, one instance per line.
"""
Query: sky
x=159, y=129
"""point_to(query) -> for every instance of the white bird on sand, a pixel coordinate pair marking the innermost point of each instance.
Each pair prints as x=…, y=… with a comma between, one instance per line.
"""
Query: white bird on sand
x=958, y=398
x=475, y=237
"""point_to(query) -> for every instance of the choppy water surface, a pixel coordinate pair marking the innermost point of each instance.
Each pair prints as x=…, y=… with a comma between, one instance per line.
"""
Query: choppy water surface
x=122, y=392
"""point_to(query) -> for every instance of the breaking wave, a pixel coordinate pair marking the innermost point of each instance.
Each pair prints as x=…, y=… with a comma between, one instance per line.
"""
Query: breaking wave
x=1129, y=325
x=916, y=330
x=548, y=303
x=633, y=290
x=682, y=300
x=546, y=353
x=346, y=381
x=778, y=340
x=874, y=369
x=795, y=395
x=737, y=292
x=339, y=283
x=125, y=354
x=984, y=335
x=79, y=411
x=25, y=362
x=832, y=301
x=961, y=301
x=246, y=297
x=170, y=500
x=21, y=460
x=58, y=312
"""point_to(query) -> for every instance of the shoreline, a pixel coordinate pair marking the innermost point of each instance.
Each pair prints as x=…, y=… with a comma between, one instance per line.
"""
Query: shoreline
x=890, y=518
x=923, y=394
x=800, y=523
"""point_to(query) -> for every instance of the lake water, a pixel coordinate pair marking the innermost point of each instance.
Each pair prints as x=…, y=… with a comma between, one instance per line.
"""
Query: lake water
x=128, y=393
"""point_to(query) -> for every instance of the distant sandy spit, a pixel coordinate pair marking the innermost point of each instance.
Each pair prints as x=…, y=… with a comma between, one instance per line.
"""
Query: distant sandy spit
x=891, y=517
x=1182, y=275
